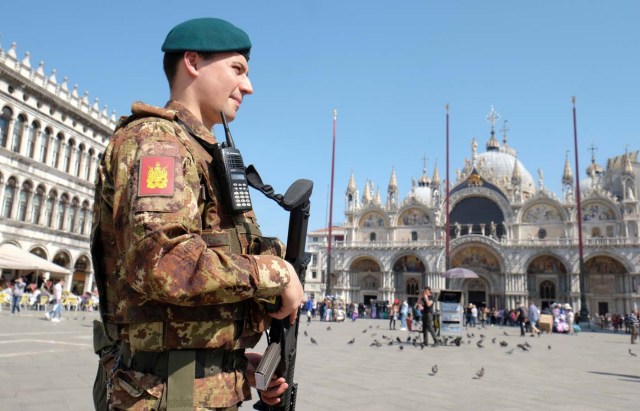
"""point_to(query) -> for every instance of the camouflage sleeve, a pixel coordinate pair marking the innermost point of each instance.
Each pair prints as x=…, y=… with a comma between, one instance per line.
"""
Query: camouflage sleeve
x=157, y=214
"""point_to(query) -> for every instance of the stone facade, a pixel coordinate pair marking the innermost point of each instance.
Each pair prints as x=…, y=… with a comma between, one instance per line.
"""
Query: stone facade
x=51, y=139
x=520, y=238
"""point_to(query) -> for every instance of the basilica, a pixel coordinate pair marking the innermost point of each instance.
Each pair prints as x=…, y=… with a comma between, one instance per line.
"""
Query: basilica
x=518, y=237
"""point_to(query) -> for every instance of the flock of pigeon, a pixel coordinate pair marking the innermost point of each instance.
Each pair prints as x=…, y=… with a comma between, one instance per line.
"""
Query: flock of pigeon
x=447, y=340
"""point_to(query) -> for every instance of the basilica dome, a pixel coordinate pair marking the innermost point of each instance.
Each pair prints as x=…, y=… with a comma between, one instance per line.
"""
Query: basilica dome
x=496, y=165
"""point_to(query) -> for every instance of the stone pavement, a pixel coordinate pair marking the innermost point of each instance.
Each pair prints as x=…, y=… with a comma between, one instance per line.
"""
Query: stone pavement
x=51, y=366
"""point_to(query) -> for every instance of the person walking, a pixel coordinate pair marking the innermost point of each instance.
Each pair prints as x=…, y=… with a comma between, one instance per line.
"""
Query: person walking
x=534, y=317
x=18, y=291
x=181, y=266
x=634, y=322
x=404, y=312
x=427, y=318
x=56, y=309
x=521, y=319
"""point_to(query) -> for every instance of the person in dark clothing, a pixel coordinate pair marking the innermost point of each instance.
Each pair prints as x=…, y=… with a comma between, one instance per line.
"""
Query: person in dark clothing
x=426, y=302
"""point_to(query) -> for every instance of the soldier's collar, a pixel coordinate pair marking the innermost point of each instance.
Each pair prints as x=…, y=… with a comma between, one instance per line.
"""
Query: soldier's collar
x=193, y=124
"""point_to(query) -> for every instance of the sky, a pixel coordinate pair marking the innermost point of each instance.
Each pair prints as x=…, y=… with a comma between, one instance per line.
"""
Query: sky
x=388, y=68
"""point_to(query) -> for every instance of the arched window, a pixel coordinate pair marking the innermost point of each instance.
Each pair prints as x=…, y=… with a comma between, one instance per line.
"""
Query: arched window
x=76, y=165
x=82, y=218
x=412, y=286
x=36, y=206
x=596, y=233
x=547, y=290
x=25, y=193
x=57, y=145
x=72, y=214
x=9, y=195
x=87, y=164
x=5, y=120
x=414, y=236
x=48, y=211
x=372, y=237
x=34, y=131
x=18, y=130
x=60, y=212
x=44, y=145
x=68, y=149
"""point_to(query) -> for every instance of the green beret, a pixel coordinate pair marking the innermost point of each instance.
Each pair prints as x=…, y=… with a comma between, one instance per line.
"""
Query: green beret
x=209, y=35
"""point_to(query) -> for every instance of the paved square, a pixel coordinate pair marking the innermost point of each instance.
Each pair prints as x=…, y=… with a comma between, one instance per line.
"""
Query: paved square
x=45, y=365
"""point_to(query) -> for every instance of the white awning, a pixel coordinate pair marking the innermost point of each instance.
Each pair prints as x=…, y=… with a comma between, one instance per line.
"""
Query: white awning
x=15, y=258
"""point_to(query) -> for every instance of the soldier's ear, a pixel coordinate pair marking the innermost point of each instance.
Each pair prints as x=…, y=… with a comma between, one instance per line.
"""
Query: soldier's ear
x=190, y=61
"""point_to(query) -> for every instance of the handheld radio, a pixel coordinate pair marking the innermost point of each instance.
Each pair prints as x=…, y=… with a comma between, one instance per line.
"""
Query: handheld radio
x=231, y=173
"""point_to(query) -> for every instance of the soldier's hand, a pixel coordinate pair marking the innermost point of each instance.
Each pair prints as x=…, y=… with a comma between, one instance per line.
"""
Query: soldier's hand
x=292, y=296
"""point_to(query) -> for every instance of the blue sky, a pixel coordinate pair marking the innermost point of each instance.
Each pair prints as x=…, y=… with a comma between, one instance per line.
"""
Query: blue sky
x=389, y=68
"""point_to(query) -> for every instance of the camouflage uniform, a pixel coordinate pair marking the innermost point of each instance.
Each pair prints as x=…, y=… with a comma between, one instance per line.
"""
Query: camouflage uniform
x=174, y=270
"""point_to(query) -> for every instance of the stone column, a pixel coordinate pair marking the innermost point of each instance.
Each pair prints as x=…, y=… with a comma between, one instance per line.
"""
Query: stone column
x=88, y=282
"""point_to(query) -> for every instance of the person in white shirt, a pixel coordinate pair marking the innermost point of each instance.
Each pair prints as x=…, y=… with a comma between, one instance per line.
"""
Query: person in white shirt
x=55, y=312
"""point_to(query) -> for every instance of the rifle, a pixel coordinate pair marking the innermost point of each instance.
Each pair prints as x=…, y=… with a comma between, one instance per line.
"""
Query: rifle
x=280, y=355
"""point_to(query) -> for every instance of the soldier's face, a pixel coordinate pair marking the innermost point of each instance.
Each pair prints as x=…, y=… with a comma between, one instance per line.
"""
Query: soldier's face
x=223, y=81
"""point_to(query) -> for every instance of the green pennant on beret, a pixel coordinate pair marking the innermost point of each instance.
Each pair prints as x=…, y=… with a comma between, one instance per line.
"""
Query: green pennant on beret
x=209, y=35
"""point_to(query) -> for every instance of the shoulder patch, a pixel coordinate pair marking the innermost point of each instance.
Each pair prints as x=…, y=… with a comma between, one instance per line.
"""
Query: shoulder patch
x=156, y=176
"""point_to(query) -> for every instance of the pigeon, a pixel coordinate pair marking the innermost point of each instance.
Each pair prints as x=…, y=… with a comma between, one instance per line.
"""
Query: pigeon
x=352, y=340
x=510, y=351
x=329, y=328
x=457, y=341
x=422, y=346
x=371, y=326
x=526, y=344
x=480, y=373
x=375, y=343
x=532, y=335
x=313, y=341
x=364, y=331
x=390, y=343
x=434, y=369
x=399, y=340
x=409, y=339
x=632, y=353
x=548, y=347
x=401, y=348
x=469, y=335
x=503, y=343
x=306, y=334
x=479, y=344
x=505, y=333
x=493, y=340
x=482, y=336
x=522, y=347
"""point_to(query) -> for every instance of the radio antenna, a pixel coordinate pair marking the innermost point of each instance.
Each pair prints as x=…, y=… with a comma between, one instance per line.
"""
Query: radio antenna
x=227, y=132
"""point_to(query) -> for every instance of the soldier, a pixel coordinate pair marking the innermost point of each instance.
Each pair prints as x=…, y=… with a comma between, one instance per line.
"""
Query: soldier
x=181, y=277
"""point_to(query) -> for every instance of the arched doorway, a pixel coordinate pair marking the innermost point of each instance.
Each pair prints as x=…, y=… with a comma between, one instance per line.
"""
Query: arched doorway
x=476, y=293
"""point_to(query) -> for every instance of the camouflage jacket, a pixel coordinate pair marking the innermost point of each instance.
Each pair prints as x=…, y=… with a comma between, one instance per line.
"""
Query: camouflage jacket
x=174, y=269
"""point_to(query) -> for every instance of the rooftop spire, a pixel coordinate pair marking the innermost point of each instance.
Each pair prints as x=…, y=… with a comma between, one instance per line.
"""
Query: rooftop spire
x=516, y=178
x=567, y=176
x=351, y=188
x=436, y=176
x=424, y=180
x=393, y=182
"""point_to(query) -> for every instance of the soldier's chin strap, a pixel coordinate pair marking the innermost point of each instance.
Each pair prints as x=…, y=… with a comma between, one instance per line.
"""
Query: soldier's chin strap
x=255, y=181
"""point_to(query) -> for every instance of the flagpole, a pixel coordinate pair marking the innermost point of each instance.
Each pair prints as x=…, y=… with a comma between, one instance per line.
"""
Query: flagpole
x=447, y=231
x=584, y=312
x=329, y=239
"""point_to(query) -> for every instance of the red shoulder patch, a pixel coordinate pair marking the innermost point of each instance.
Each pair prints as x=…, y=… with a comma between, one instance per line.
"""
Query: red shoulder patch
x=156, y=176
